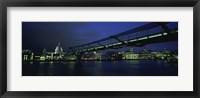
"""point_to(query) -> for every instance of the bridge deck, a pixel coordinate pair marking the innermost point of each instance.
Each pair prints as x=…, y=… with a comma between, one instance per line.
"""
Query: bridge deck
x=140, y=41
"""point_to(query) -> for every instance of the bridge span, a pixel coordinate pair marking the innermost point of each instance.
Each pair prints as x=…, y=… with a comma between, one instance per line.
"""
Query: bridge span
x=166, y=34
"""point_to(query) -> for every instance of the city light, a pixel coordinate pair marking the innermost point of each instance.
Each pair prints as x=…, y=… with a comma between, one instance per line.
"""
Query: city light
x=100, y=48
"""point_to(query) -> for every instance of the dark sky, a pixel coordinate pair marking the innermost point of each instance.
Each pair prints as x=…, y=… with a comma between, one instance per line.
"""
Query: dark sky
x=39, y=35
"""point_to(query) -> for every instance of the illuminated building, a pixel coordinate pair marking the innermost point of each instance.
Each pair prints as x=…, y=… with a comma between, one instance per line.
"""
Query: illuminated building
x=91, y=56
x=37, y=57
x=46, y=55
x=130, y=55
x=59, y=53
x=58, y=49
x=71, y=57
x=49, y=56
x=42, y=58
x=145, y=54
x=156, y=55
x=114, y=55
x=98, y=56
x=27, y=55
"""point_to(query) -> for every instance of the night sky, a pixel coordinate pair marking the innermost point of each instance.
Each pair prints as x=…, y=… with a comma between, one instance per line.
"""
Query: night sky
x=39, y=35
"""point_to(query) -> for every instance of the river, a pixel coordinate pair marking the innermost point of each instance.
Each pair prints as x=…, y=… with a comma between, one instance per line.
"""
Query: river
x=100, y=68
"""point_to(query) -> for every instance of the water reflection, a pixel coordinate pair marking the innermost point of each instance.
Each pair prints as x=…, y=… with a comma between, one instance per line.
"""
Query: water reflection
x=71, y=66
x=101, y=68
x=97, y=68
x=41, y=70
x=133, y=61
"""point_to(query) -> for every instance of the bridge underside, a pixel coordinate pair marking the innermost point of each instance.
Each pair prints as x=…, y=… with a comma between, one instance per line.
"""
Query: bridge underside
x=164, y=34
x=167, y=38
x=138, y=42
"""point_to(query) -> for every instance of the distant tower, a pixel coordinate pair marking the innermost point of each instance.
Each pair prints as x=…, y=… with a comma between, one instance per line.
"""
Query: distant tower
x=44, y=51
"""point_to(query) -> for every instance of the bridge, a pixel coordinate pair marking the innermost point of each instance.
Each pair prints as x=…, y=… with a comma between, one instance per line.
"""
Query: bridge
x=149, y=36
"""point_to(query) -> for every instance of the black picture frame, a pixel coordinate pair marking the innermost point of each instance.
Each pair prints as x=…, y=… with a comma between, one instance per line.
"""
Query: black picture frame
x=98, y=3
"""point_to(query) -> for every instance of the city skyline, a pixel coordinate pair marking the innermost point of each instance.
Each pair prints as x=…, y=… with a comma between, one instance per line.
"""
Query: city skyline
x=60, y=55
x=100, y=48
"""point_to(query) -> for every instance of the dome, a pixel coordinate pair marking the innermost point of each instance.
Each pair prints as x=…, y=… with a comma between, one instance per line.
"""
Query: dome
x=58, y=49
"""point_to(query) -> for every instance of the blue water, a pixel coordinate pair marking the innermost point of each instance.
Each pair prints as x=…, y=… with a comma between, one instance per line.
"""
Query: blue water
x=101, y=68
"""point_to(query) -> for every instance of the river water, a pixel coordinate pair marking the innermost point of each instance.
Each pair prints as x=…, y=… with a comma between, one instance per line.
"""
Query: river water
x=101, y=68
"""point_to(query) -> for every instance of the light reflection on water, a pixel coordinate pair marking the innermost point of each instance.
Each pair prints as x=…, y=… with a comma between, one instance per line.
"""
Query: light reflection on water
x=101, y=68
